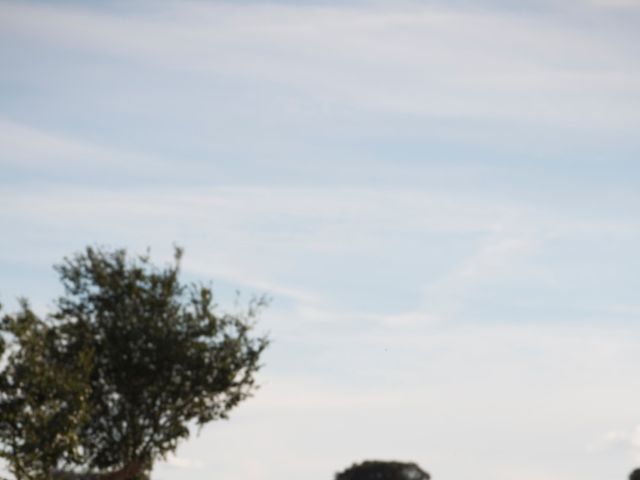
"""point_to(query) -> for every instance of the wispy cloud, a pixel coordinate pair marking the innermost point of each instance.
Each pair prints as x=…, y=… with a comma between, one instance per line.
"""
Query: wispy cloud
x=281, y=241
x=405, y=59
x=48, y=152
x=627, y=441
x=175, y=461
x=441, y=197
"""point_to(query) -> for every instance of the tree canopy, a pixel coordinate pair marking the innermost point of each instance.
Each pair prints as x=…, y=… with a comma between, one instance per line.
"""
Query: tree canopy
x=382, y=470
x=43, y=391
x=128, y=360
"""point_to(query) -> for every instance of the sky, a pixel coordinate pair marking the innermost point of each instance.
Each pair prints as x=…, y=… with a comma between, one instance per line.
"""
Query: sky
x=441, y=198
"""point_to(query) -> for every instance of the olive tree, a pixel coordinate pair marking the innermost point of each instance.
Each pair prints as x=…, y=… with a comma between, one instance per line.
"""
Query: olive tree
x=162, y=358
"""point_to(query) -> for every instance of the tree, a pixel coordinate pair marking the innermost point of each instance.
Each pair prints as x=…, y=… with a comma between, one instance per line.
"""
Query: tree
x=379, y=470
x=43, y=392
x=162, y=358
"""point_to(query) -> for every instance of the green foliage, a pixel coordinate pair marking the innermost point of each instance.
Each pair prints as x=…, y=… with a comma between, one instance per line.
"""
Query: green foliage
x=161, y=359
x=43, y=395
x=378, y=470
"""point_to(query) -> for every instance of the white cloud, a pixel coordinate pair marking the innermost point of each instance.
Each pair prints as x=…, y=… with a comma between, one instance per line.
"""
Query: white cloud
x=47, y=151
x=404, y=319
x=627, y=441
x=496, y=257
x=175, y=461
x=433, y=387
x=388, y=374
x=405, y=58
x=617, y=3
x=506, y=400
x=613, y=439
x=266, y=239
x=635, y=444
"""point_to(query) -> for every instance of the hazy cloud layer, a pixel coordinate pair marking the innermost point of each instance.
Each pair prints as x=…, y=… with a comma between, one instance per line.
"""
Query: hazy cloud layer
x=441, y=197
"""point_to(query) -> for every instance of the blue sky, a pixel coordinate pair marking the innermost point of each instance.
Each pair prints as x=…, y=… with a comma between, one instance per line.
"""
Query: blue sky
x=441, y=197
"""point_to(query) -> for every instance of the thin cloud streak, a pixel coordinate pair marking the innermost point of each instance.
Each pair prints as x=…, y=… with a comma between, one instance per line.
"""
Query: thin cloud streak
x=26, y=147
x=258, y=238
x=568, y=76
